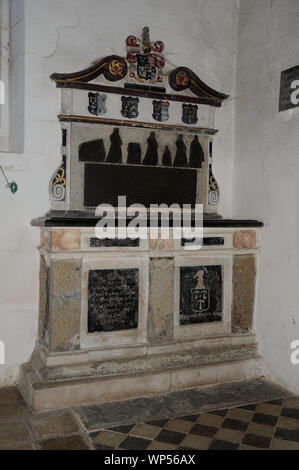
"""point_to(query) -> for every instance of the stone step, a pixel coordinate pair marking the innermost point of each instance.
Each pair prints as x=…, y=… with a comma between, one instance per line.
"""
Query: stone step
x=42, y=395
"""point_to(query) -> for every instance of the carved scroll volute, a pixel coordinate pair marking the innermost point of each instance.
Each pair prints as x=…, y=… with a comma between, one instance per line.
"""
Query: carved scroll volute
x=57, y=186
x=213, y=196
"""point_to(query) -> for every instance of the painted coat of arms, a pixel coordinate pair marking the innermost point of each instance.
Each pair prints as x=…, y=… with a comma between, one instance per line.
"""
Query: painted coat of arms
x=160, y=110
x=200, y=294
x=189, y=113
x=129, y=107
x=96, y=103
x=145, y=58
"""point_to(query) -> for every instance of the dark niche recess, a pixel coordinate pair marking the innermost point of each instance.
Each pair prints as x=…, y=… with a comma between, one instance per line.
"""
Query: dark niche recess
x=134, y=153
x=166, y=157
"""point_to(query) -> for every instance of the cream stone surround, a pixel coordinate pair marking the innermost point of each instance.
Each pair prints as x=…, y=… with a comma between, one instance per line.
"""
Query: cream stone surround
x=204, y=329
x=107, y=339
x=134, y=343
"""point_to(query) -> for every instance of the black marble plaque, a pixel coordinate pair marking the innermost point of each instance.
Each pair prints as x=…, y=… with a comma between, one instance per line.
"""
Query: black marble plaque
x=200, y=294
x=146, y=185
x=112, y=299
x=95, y=242
x=213, y=241
x=289, y=89
x=206, y=241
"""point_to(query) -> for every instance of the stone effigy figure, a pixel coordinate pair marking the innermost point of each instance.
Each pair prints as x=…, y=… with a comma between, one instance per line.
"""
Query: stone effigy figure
x=180, y=156
x=151, y=156
x=196, y=153
x=115, y=152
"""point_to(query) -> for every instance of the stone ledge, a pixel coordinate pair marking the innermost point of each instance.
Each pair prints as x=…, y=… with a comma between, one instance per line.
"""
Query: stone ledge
x=85, y=219
x=145, y=364
x=41, y=395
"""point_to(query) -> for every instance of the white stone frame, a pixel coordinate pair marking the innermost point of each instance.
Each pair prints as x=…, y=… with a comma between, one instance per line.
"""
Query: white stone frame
x=4, y=74
x=110, y=339
x=197, y=330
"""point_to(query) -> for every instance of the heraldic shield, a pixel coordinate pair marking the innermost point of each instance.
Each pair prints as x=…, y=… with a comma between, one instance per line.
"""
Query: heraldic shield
x=129, y=107
x=200, y=294
x=145, y=69
x=189, y=113
x=160, y=110
x=200, y=299
x=96, y=103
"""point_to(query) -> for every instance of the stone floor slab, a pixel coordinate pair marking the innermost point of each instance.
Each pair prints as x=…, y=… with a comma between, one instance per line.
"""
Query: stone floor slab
x=10, y=394
x=180, y=403
x=12, y=411
x=13, y=432
x=75, y=442
x=52, y=424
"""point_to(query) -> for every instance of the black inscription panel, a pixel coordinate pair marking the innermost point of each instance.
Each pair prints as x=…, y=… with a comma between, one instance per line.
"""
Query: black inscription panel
x=95, y=242
x=103, y=183
x=206, y=241
x=112, y=299
x=289, y=89
x=200, y=294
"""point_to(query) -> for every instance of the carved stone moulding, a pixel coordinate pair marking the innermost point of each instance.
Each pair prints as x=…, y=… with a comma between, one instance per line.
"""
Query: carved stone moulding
x=144, y=67
x=113, y=68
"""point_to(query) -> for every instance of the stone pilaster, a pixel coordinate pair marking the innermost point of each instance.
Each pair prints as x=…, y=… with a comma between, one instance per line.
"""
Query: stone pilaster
x=244, y=273
x=161, y=295
x=65, y=304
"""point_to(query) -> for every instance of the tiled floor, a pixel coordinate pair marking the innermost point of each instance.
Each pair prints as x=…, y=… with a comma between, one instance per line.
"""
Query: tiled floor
x=272, y=424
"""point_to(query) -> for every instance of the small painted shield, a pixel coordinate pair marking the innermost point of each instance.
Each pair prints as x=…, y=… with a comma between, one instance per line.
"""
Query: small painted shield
x=160, y=110
x=200, y=299
x=96, y=103
x=189, y=113
x=129, y=107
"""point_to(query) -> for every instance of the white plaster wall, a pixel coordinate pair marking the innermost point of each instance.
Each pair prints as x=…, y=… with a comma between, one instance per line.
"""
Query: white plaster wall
x=64, y=36
x=266, y=172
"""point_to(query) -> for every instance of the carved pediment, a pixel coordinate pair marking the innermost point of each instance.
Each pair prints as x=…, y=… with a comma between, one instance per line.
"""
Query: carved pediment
x=143, y=72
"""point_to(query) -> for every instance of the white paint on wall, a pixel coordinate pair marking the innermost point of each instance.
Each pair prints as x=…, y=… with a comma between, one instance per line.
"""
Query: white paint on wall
x=18, y=329
x=266, y=172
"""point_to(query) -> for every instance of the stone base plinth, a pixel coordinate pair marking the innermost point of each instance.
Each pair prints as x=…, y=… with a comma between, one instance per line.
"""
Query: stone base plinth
x=127, y=318
x=57, y=387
